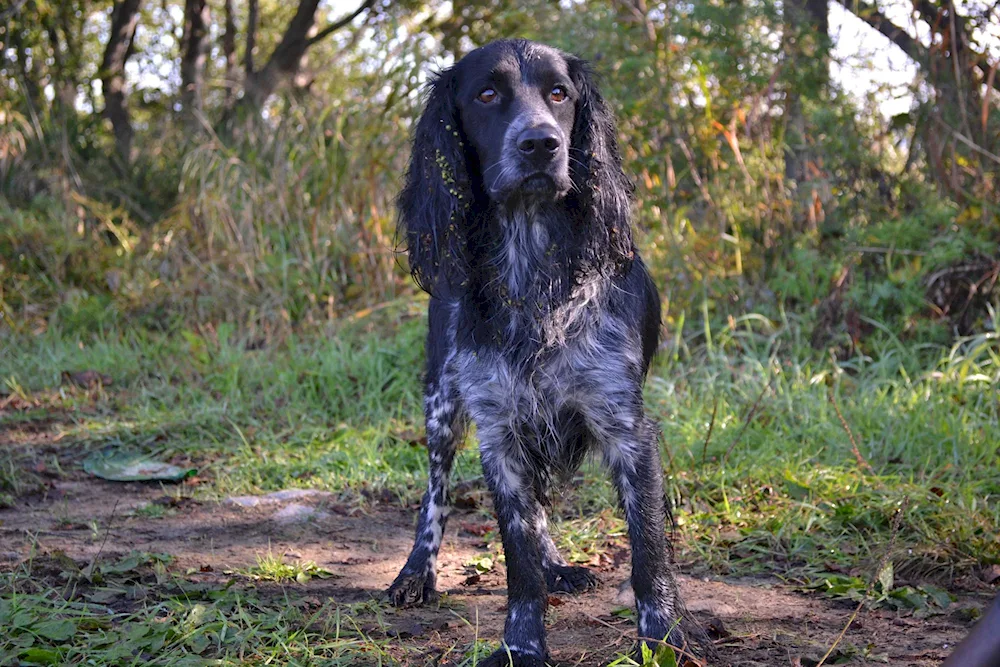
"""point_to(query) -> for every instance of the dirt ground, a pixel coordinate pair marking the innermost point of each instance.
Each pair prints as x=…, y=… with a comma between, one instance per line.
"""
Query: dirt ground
x=757, y=622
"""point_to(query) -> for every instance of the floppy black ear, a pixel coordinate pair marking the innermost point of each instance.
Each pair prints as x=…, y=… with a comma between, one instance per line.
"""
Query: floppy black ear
x=436, y=196
x=605, y=192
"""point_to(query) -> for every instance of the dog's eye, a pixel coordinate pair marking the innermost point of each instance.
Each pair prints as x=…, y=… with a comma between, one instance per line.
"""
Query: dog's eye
x=487, y=96
x=558, y=94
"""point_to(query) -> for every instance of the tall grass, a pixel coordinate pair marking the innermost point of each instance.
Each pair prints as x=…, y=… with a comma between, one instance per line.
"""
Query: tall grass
x=280, y=225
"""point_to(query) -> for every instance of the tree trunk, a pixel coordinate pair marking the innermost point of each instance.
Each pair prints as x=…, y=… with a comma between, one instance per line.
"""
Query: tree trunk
x=229, y=51
x=252, y=16
x=124, y=19
x=30, y=76
x=65, y=59
x=960, y=137
x=286, y=59
x=194, y=51
x=807, y=53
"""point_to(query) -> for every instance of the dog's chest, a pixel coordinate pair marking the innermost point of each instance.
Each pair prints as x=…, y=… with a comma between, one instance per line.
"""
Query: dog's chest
x=592, y=377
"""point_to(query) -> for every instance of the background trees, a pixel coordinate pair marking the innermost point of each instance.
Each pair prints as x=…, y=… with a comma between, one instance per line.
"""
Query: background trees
x=201, y=150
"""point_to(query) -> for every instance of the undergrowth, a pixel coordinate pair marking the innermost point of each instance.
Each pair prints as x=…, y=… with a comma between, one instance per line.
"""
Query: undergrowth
x=759, y=434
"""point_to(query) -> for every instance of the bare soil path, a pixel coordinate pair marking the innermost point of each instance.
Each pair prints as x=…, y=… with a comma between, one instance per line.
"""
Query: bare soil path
x=758, y=622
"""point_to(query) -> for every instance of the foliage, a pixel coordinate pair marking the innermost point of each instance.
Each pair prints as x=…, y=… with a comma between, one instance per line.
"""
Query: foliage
x=55, y=613
x=828, y=380
x=281, y=216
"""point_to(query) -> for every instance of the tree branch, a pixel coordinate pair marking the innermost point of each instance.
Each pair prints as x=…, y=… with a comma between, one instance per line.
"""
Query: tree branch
x=870, y=14
x=334, y=27
x=12, y=11
x=876, y=19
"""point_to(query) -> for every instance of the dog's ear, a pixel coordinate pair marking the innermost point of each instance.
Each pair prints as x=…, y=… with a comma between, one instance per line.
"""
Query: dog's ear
x=436, y=196
x=604, y=190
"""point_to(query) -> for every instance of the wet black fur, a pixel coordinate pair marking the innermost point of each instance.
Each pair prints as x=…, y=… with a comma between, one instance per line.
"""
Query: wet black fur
x=454, y=231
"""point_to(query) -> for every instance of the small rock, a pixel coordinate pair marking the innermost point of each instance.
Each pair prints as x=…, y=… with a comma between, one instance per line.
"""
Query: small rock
x=713, y=607
x=243, y=501
x=276, y=497
x=406, y=631
x=296, y=494
x=625, y=596
x=295, y=513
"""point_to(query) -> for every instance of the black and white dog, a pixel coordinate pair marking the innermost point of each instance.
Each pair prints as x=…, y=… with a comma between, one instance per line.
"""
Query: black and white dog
x=543, y=322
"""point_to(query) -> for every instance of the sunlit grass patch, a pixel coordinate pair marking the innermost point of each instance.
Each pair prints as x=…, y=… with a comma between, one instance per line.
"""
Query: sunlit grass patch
x=271, y=567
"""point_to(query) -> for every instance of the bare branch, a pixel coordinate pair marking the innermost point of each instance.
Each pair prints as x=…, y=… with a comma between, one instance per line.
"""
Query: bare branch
x=334, y=27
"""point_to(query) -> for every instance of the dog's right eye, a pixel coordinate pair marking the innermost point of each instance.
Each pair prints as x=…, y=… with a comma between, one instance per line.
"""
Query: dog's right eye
x=487, y=96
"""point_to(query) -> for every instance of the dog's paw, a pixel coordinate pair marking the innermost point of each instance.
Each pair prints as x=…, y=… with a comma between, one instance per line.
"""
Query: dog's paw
x=686, y=638
x=503, y=658
x=411, y=589
x=569, y=579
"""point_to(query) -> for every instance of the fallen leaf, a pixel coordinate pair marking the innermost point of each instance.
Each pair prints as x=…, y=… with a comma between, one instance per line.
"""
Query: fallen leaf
x=128, y=466
x=477, y=529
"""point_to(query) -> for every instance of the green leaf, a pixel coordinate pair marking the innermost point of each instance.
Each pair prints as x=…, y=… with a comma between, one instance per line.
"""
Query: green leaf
x=623, y=612
x=196, y=616
x=483, y=564
x=130, y=466
x=56, y=630
x=664, y=657
x=198, y=643
x=939, y=596
x=909, y=597
x=40, y=656
x=795, y=490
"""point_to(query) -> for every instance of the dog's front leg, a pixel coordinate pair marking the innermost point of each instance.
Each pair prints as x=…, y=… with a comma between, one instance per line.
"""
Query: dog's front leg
x=445, y=428
x=517, y=512
x=636, y=469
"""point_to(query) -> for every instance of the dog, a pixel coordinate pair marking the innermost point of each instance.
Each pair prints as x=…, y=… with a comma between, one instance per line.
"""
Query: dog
x=543, y=321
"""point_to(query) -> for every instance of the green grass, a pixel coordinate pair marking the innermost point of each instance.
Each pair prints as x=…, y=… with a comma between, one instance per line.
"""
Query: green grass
x=270, y=567
x=55, y=613
x=770, y=481
x=760, y=466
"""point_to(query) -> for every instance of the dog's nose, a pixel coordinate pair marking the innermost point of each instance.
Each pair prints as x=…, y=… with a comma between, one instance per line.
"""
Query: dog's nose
x=539, y=143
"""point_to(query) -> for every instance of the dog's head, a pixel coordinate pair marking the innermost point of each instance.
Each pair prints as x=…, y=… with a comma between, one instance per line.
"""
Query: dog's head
x=512, y=123
x=517, y=105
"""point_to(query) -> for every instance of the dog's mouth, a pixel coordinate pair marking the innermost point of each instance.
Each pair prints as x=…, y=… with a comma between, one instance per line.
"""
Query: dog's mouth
x=535, y=185
x=538, y=182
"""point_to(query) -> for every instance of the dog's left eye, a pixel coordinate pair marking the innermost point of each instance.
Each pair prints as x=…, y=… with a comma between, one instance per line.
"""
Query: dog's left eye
x=558, y=94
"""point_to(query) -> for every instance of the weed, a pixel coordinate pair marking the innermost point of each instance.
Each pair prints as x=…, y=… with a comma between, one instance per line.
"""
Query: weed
x=274, y=568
